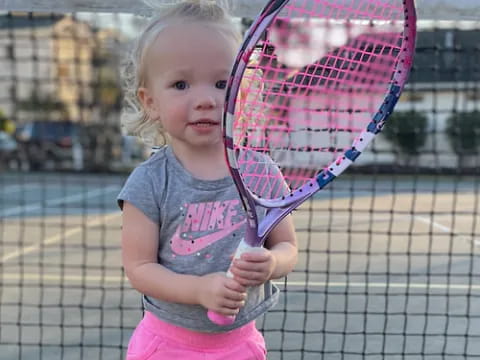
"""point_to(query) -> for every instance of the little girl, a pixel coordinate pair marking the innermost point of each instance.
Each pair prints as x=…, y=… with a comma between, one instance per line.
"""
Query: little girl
x=182, y=216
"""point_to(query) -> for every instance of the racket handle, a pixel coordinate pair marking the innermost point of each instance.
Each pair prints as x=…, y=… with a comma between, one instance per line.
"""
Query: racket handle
x=224, y=320
x=219, y=319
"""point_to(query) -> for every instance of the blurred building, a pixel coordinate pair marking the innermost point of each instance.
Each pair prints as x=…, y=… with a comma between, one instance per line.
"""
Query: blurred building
x=55, y=57
x=57, y=68
x=445, y=80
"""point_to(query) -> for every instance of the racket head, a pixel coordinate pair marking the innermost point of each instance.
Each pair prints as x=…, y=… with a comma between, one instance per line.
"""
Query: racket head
x=312, y=85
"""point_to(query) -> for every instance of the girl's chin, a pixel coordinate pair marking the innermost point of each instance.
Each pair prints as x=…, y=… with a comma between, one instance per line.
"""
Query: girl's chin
x=204, y=144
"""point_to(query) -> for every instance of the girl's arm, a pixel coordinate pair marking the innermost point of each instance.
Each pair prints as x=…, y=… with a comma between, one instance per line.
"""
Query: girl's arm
x=139, y=256
x=276, y=260
x=282, y=243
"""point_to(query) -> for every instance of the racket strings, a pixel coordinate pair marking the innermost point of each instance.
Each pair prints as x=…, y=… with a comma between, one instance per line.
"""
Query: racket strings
x=315, y=79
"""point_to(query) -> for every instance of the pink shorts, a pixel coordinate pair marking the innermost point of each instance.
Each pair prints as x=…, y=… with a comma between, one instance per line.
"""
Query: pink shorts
x=154, y=339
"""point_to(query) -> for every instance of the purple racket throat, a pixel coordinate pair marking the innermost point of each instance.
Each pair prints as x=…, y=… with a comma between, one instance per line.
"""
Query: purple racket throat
x=313, y=84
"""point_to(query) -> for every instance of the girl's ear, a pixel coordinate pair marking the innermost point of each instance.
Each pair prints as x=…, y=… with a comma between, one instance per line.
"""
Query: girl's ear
x=147, y=101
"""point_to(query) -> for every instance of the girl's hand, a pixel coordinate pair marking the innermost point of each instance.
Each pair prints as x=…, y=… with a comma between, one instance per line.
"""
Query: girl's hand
x=221, y=294
x=254, y=268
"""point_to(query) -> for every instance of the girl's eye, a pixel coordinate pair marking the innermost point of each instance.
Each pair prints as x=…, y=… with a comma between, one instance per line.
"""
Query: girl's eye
x=222, y=84
x=180, y=85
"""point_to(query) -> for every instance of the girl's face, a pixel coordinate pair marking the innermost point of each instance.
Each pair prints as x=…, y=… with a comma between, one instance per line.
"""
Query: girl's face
x=187, y=71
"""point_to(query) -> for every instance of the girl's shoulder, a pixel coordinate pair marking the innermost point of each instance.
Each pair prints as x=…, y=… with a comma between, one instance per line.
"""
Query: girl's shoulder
x=152, y=169
x=148, y=179
x=158, y=158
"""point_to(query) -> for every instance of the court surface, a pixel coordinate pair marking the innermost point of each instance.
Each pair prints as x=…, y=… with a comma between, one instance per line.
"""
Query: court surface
x=386, y=271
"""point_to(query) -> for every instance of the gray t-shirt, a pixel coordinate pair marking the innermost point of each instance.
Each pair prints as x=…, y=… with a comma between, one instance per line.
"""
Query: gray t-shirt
x=201, y=224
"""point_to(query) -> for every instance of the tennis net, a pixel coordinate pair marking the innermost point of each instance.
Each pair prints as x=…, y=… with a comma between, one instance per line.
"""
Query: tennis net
x=388, y=257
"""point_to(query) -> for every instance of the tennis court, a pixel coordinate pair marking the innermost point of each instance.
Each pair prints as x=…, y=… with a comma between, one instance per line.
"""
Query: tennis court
x=389, y=275
x=388, y=254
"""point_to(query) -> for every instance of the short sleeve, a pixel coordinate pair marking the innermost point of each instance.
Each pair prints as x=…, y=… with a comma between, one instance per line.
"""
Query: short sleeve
x=140, y=191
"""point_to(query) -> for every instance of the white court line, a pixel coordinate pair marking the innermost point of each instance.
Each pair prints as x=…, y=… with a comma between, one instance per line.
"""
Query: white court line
x=320, y=284
x=332, y=284
x=58, y=278
x=382, y=217
x=58, y=237
x=446, y=229
x=24, y=209
x=17, y=188
x=436, y=225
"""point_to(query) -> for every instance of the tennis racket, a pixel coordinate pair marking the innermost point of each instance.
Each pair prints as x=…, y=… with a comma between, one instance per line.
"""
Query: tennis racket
x=313, y=84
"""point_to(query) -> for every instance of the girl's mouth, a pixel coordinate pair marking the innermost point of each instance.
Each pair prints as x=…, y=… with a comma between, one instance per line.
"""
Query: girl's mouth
x=205, y=123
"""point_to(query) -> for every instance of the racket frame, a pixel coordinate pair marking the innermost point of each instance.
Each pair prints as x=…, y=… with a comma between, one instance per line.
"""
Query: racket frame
x=279, y=208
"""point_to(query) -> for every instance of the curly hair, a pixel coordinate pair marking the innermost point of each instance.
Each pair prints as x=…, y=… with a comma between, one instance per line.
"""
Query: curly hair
x=135, y=119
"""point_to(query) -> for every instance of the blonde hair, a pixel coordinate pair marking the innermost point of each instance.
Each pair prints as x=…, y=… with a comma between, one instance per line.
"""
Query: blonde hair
x=135, y=119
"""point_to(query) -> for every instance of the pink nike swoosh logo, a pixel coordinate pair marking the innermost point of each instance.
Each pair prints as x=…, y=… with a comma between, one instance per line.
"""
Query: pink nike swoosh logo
x=185, y=246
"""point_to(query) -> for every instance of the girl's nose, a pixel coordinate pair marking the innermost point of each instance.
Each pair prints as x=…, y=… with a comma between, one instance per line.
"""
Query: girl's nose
x=205, y=100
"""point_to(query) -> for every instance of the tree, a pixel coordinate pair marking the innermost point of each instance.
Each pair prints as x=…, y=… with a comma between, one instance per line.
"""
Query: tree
x=463, y=131
x=107, y=80
x=44, y=107
x=407, y=131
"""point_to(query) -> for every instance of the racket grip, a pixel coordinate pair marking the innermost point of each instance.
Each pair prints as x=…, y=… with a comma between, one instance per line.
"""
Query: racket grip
x=224, y=320
x=219, y=319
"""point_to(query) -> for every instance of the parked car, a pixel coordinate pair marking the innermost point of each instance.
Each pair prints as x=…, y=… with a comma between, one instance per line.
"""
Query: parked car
x=52, y=144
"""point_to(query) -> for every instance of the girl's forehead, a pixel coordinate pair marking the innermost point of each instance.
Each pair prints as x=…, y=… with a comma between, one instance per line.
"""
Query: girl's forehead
x=184, y=36
x=192, y=42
